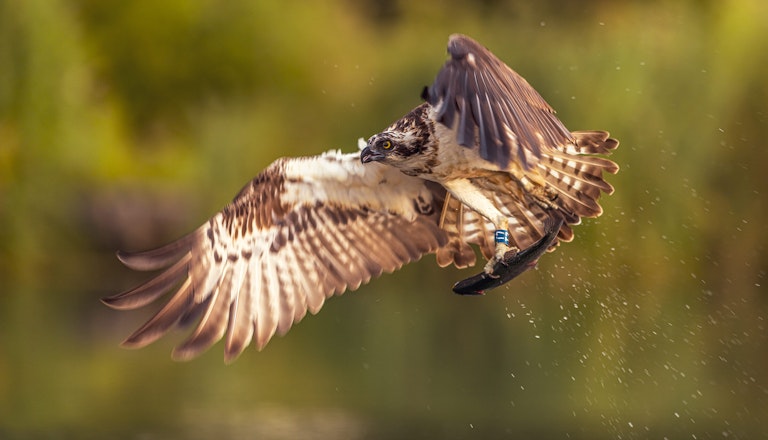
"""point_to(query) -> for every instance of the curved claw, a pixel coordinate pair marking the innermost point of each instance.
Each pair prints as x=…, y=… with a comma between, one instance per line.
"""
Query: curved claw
x=512, y=265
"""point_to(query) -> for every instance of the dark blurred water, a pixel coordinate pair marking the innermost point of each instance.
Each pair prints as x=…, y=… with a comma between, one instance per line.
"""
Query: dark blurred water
x=416, y=362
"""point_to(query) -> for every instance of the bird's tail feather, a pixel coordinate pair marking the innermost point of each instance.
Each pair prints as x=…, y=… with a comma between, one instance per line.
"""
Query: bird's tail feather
x=576, y=174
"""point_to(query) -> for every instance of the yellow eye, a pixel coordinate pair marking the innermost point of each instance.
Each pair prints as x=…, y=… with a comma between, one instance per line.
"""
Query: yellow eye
x=386, y=145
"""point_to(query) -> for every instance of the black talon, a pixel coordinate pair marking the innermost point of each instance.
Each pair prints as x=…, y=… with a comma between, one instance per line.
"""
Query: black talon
x=511, y=265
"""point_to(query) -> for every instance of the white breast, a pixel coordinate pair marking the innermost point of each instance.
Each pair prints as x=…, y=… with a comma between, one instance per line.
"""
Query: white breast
x=456, y=161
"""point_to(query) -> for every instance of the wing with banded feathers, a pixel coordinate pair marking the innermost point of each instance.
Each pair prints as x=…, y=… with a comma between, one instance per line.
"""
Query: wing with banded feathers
x=467, y=227
x=572, y=172
x=492, y=108
x=303, y=230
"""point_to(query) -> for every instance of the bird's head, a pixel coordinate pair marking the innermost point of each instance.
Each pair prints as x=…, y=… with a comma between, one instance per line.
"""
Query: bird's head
x=401, y=143
x=383, y=147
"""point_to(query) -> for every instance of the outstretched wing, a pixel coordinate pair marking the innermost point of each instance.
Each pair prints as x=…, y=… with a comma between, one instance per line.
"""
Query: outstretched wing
x=493, y=108
x=303, y=230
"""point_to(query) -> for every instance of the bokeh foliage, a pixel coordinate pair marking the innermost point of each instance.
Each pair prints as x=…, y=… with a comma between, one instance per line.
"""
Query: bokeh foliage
x=124, y=124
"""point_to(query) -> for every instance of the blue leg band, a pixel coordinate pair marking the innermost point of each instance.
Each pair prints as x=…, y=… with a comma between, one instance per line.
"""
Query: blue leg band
x=501, y=236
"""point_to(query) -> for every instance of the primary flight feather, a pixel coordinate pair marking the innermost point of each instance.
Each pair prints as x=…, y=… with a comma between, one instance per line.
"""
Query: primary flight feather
x=483, y=156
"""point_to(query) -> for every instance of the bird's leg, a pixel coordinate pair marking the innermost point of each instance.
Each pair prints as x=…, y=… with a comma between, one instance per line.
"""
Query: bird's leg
x=501, y=238
x=469, y=194
x=513, y=264
x=507, y=261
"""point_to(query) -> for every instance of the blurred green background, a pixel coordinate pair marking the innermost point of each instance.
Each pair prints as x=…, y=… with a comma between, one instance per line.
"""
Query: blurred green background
x=125, y=124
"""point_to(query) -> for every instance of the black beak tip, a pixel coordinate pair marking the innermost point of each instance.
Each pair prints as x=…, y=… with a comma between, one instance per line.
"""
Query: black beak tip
x=367, y=155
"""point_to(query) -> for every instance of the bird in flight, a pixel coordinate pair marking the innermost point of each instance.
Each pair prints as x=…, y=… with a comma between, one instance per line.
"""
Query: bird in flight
x=483, y=161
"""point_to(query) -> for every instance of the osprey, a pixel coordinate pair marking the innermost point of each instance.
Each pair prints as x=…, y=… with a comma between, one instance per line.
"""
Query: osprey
x=484, y=162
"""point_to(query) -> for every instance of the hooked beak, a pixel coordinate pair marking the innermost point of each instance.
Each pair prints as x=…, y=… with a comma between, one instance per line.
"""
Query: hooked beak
x=368, y=155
